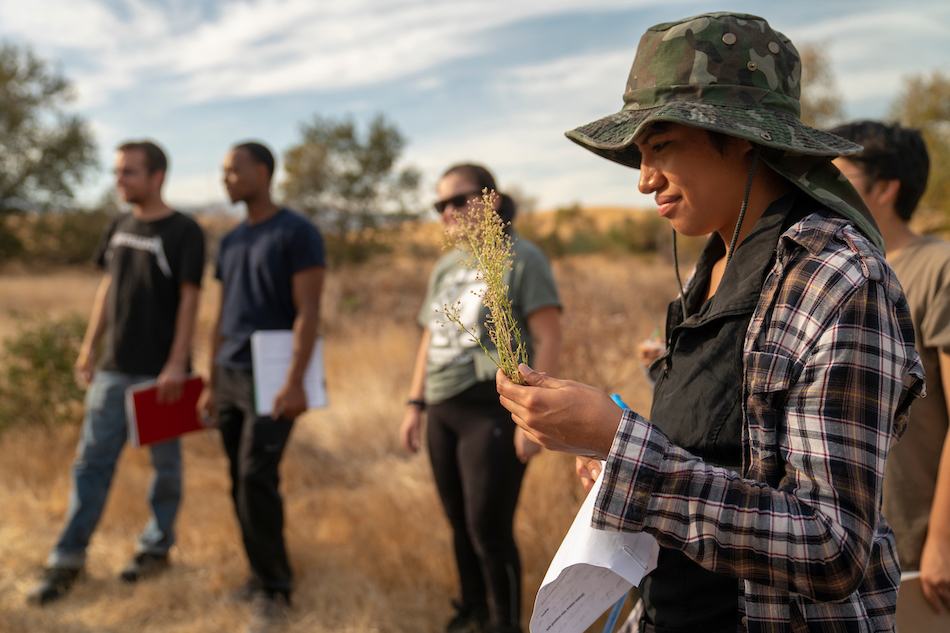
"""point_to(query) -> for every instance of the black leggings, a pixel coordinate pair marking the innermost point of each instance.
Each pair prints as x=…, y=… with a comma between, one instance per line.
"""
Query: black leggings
x=478, y=475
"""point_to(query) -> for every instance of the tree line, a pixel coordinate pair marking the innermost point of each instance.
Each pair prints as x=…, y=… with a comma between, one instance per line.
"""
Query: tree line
x=346, y=178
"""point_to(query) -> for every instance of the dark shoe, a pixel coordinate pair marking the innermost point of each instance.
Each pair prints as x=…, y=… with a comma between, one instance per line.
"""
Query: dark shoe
x=468, y=619
x=268, y=612
x=55, y=583
x=246, y=592
x=144, y=565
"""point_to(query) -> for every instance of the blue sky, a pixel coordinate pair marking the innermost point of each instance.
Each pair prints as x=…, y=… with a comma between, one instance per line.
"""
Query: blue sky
x=494, y=81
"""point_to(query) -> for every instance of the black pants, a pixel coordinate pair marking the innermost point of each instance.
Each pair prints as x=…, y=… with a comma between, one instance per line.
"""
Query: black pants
x=255, y=445
x=478, y=475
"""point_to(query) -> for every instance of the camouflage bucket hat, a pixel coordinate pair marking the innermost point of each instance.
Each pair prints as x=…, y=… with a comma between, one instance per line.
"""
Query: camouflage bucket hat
x=729, y=73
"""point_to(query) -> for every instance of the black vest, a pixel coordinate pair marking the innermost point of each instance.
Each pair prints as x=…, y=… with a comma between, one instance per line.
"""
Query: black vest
x=697, y=403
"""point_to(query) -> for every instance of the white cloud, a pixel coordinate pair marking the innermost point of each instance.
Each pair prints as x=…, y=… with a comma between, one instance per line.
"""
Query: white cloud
x=194, y=189
x=264, y=47
x=256, y=48
x=871, y=50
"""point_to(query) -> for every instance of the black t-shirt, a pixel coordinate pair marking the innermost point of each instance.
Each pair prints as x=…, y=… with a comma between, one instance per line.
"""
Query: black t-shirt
x=256, y=263
x=148, y=262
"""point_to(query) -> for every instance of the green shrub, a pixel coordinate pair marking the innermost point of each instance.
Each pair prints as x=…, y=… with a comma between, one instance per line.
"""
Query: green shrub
x=584, y=242
x=37, y=383
x=67, y=238
x=51, y=239
x=355, y=248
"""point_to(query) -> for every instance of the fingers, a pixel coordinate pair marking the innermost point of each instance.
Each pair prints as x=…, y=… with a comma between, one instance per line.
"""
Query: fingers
x=937, y=594
x=587, y=467
x=409, y=437
x=588, y=470
x=169, y=390
x=932, y=596
x=173, y=391
x=207, y=411
x=83, y=373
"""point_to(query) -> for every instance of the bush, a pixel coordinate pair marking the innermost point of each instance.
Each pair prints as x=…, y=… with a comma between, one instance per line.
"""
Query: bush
x=56, y=239
x=37, y=384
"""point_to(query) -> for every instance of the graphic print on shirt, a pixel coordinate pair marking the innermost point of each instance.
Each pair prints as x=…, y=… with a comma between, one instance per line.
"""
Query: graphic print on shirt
x=151, y=245
x=448, y=346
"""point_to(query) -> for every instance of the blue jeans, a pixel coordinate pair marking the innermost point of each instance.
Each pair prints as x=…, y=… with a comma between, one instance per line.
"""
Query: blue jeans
x=104, y=432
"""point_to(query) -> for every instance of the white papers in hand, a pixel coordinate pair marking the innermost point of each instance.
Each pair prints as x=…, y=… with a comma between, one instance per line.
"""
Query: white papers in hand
x=591, y=571
x=271, y=353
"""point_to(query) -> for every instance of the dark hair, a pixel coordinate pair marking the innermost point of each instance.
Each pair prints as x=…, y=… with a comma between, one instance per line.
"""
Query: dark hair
x=891, y=152
x=719, y=140
x=482, y=179
x=155, y=159
x=260, y=155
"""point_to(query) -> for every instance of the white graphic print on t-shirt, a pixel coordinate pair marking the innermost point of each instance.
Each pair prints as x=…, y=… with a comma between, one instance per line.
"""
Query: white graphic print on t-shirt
x=447, y=345
x=149, y=244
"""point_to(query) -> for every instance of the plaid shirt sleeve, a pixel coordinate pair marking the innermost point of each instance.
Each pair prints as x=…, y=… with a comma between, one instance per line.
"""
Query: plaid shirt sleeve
x=830, y=373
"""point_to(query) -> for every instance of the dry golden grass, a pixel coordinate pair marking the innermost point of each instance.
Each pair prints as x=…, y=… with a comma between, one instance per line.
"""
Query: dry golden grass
x=367, y=539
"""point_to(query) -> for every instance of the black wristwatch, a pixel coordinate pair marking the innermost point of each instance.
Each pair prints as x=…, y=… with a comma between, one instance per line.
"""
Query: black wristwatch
x=418, y=403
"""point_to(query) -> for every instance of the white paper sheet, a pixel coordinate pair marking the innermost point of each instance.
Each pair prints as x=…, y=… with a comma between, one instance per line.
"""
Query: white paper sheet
x=271, y=353
x=590, y=571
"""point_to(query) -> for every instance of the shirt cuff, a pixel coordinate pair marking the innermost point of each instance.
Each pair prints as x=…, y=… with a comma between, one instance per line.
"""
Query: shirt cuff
x=629, y=473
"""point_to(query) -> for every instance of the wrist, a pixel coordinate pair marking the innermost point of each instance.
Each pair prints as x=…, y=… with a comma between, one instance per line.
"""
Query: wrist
x=173, y=364
x=417, y=403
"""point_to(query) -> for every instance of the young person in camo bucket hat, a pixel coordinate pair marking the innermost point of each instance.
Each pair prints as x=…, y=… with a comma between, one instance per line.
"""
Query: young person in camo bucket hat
x=789, y=365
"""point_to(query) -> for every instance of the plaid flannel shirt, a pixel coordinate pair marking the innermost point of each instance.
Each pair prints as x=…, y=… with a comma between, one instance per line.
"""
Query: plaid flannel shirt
x=830, y=372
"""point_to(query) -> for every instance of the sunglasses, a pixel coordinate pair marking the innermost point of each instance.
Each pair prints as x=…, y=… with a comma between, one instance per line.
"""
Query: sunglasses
x=457, y=201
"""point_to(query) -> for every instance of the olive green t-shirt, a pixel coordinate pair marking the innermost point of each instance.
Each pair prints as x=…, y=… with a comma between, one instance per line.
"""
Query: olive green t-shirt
x=455, y=361
x=910, y=475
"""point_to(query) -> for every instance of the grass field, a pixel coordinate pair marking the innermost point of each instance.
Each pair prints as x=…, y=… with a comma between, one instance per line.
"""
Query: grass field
x=367, y=539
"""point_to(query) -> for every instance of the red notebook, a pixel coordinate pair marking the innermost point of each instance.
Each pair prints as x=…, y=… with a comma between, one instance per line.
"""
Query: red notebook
x=151, y=421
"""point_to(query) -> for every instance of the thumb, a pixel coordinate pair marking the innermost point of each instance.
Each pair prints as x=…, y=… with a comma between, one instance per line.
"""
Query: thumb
x=533, y=378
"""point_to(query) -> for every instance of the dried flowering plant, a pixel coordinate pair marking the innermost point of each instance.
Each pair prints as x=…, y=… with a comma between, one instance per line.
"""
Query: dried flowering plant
x=481, y=233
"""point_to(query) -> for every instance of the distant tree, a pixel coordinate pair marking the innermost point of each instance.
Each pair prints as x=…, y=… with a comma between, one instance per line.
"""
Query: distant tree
x=349, y=182
x=44, y=151
x=524, y=202
x=925, y=105
x=821, y=99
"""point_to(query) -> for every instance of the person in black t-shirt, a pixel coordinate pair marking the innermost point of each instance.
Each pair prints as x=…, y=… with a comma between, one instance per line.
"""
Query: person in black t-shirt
x=271, y=267
x=144, y=315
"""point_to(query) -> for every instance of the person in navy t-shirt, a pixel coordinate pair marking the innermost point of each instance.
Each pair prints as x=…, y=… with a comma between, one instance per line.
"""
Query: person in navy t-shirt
x=271, y=268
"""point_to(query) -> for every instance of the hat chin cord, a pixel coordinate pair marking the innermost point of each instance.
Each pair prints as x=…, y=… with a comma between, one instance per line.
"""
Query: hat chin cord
x=757, y=149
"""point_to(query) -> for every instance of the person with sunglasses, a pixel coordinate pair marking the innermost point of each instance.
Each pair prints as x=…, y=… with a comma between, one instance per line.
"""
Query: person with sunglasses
x=478, y=455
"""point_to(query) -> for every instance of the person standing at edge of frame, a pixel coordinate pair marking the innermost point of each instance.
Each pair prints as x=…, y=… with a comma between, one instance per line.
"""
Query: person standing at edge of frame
x=271, y=268
x=478, y=455
x=891, y=173
x=789, y=366
x=145, y=310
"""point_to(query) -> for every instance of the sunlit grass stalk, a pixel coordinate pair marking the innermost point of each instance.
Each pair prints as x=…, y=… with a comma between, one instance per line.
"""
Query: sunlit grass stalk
x=481, y=233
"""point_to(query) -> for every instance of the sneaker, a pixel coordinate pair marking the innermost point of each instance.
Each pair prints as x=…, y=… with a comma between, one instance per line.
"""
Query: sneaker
x=268, y=612
x=468, y=618
x=144, y=565
x=55, y=583
x=246, y=592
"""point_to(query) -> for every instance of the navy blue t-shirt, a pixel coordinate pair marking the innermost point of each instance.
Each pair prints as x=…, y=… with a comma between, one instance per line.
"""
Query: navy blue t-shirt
x=256, y=263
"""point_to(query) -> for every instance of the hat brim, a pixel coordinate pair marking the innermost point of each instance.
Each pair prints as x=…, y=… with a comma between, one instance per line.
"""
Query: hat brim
x=613, y=136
